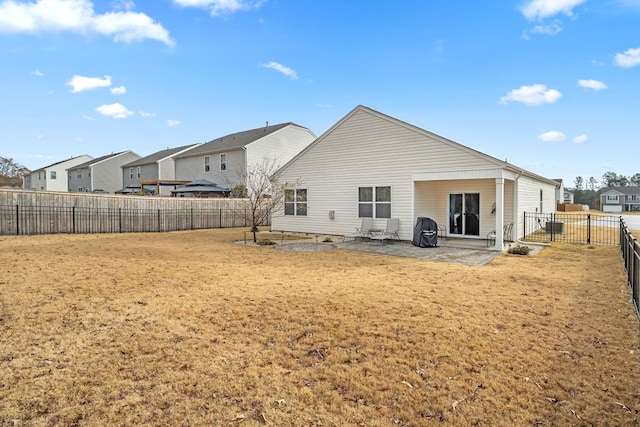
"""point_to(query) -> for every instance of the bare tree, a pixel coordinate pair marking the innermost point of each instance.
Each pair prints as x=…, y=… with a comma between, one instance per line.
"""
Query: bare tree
x=578, y=181
x=11, y=173
x=263, y=193
x=593, y=183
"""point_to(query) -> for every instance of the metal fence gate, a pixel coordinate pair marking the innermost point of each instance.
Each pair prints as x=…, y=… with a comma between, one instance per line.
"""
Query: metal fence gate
x=572, y=228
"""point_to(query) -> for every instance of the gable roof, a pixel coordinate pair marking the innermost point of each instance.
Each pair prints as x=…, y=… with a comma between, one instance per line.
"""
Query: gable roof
x=57, y=163
x=628, y=191
x=157, y=156
x=359, y=108
x=98, y=160
x=236, y=140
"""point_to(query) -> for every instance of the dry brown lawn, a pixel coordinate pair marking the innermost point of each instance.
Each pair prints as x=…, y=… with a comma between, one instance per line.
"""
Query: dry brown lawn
x=189, y=328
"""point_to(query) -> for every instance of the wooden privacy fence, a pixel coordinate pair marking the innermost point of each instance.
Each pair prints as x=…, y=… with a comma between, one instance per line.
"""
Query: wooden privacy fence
x=38, y=212
x=631, y=256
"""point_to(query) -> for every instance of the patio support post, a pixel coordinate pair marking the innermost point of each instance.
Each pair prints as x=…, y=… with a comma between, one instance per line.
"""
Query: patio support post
x=500, y=213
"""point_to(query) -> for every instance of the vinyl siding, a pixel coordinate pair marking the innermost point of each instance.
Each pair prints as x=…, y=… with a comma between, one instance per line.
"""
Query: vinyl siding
x=529, y=199
x=280, y=146
x=192, y=168
x=107, y=174
x=83, y=182
x=366, y=150
x=147, y=172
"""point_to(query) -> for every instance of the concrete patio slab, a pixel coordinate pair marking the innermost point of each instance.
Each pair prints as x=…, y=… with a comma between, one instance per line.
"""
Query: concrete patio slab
x=407, y=250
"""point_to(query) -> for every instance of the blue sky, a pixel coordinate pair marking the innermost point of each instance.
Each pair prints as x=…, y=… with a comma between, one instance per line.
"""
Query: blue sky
x=552, y=86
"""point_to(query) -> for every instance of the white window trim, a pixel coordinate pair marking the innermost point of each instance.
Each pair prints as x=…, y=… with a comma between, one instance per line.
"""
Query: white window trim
x=207, y=164
x=295, y=202
x=374, y=202
x=223, y=163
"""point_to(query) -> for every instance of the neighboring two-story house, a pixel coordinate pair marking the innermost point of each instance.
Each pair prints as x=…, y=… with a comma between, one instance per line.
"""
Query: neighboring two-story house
x=54, y=176
x=225, y=161
x=620, y=199
x=101, y=175
x=156, y=171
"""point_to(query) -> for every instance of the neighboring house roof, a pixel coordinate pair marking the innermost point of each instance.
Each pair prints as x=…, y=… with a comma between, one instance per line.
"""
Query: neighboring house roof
x=629, y=191
x=134, y=189
x=57, y=163
x=160, y=155
x=98, y=160
x=201, y=186
x=236, y=140
x=497, y=162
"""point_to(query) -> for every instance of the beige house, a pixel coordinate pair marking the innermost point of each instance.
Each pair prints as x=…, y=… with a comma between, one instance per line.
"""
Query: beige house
x=54, y=176
x=225, y=160
x=101, y=175
x=373, y=165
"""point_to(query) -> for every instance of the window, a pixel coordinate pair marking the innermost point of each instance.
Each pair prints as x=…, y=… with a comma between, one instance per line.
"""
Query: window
x=374, y=202
x=541, y=200
x=39, y=175
x=79, y=174
x=53, y=174
x=223, y=162
x=138, y=172
x=207, y=165
x=131, y=173
x=295, y=202
x=612, y=198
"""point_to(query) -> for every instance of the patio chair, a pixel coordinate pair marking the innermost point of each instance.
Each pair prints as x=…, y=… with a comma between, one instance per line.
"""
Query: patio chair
x=364, y=231
x=390, y=232
x=506, y=235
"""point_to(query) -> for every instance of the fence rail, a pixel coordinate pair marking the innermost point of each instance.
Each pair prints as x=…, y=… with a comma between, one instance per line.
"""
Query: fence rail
x=572, y=228
x=32, y=220
x=631, y=255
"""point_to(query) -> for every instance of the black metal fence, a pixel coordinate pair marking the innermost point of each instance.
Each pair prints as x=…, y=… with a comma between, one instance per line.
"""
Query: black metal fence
x=32, y=220
x=631, y=256
x=572, y=228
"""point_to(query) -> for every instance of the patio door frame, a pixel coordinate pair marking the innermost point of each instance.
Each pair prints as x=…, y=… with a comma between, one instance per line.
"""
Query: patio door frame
x=463, y=211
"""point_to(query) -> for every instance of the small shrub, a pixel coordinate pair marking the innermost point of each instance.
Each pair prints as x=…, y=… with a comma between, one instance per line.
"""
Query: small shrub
x=266, y=242
x=327, y=240
x=519, y=250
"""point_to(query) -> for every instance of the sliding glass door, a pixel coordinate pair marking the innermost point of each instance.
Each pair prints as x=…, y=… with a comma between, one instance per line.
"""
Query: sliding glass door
x=464, y=214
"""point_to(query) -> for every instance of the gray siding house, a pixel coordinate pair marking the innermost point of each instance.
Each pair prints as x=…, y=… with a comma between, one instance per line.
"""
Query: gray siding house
x=156, y=171
x=225, y=160
x=103, y=174
x=370, y=165
x=620, y=199
x=54, y=176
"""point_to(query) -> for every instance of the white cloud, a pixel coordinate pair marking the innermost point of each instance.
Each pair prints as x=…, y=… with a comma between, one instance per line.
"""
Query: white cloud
x=37, y=73
x=552, y=136
x=592, y=84
x=81, y=83
x=580, y=139
x=173, y=123
x=123, y=4
x=536, y=94
x=146, y=114
x=282, y=69
x=116, y=111
x=549, y=30
x=540, y=9
x=221, y=7
x=629, y=58
x=78, y=16
x=118, y=90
